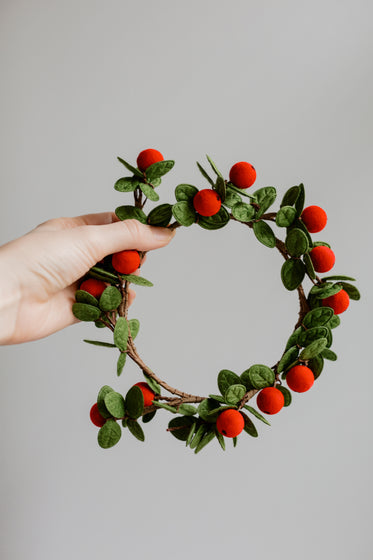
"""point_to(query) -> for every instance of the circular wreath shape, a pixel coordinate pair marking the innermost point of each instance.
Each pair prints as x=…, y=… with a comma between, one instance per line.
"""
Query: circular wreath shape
x=103, y=298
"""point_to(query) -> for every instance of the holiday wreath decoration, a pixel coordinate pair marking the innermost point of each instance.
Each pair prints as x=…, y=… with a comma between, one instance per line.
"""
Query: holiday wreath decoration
x=103, y=298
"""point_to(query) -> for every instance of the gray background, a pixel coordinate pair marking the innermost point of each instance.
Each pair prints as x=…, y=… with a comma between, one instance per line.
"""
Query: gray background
x=284, y=85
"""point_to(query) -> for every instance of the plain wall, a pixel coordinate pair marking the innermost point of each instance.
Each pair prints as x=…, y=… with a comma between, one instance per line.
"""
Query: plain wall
x=284, y=85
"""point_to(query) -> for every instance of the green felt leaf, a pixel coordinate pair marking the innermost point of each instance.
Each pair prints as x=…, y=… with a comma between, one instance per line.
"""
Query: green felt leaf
x=184, y=213
x=205, y=174
x=100, y=343
x=213, y=166
x=149, y=192
x=134, y=402
x=109, y=434
x=338, y=277
x=286, y=393
x=185, y=193
x=329, y=337
x=261, y=376
x=149, y=417
x=110, y=298
x=293, y=339
x=292, y=273
x=316, y=365
x=290, y=197
x=126, y=184
x=226, y=378
x=329, y=354
x=249, y=427
x=81, y=296
x=313, y=349
x=200, y=432
x=217, y=398
x=130, y=167
x=352, y=291
x=192, y=431
x=298, y=224
x=243, y=212
x=296, y=242
x=85, y=312
x=206, y=439
x=138, y=280
x=334, y=322
x=102, y=274
x=136, y=430
x=187, y=409
x=129, y=212
x=221, y=188
x=264, y=234
x=285, y=216
x=242, y=192
x=308, y=336
x=99, y=324
x=257, y=414
x=180, y=427
x=299, y=203
x=234, y=441
x=234, y=393
x=288, y=358
x=160, y=215
x=121, y=363
x=320, y=244
x=165, y=406
x=245, y=380
x=114, y=403
x=101, y=401
x=324, y=290
x=217, y=221
x=265, y=198
x=220, y=439
x=156, y=182
x=159, y=169
x=318, y=317
x=309, y=266
x=134, y=327
x=153, y=384
x=231, y=199
x=121, y=334
x=208, y=411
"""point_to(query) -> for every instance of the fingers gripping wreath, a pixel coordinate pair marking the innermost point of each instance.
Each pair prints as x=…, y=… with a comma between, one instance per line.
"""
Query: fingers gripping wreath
x=103, y=298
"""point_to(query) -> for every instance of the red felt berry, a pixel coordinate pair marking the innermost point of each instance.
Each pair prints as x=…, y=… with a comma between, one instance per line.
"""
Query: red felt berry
x=147, y=158
x=300, y=378
x=270, y=400
x=207, y=202
x=314, y=218
x=339, y=302
x=147, y=393
x=93, y=286
x=230, y=423
x=242, y=175
x=96, y=417
x=322, y=258
x=126, y=262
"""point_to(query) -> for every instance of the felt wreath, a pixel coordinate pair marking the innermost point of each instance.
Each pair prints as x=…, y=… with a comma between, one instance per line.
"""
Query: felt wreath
x=103, y=298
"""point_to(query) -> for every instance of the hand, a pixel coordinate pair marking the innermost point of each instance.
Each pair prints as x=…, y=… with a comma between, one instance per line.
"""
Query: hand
x=40, y=270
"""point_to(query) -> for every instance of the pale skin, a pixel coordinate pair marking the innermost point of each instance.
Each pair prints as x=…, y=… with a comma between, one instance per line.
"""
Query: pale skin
x=41, y=270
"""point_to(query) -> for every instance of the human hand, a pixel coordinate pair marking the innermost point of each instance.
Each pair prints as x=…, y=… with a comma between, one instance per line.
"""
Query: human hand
x=41, y=269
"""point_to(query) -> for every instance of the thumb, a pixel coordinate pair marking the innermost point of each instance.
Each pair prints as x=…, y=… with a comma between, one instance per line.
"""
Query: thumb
x=102, y=240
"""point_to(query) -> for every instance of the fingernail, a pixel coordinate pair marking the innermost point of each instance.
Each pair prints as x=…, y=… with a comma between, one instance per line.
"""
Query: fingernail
x=162, y=233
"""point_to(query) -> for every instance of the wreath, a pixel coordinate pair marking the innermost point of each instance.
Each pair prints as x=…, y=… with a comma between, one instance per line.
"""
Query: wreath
x=103, y=298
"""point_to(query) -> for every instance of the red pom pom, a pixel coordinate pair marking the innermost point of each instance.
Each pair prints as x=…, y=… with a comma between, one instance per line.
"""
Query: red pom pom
x=300, y=378
x=96, y=417
x=322, y=258
x=93, y=286
x=242, y=175
x=339, y=302
x=270, y=400
x=207, y=202
x=230, y=423
x=126, y=262
x=147, y=158
x=147, y=393
x=314, y=218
